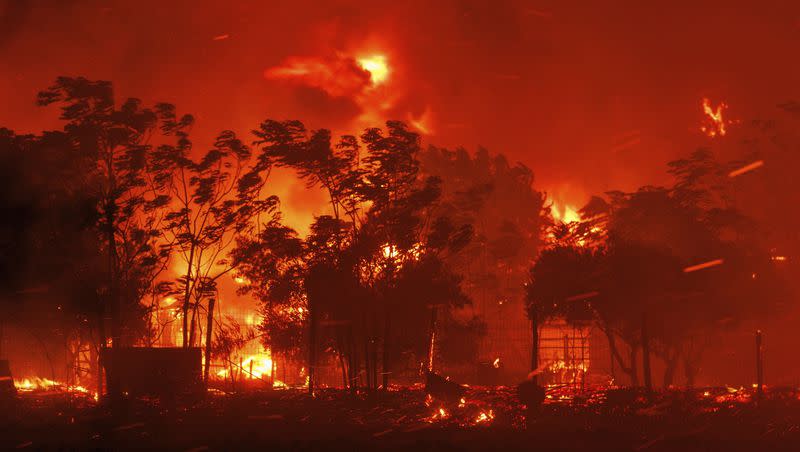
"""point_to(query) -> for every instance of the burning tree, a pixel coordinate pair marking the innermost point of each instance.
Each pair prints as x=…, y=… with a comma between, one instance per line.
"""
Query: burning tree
x=130, y=183
x=218, y=198
x=674, y=265
x=348, y=270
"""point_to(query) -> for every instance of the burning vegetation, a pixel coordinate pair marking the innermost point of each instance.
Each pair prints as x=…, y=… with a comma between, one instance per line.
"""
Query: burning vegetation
x=153, y=281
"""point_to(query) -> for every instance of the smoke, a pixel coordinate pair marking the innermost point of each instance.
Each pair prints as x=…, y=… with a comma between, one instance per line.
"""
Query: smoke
x=556, y=86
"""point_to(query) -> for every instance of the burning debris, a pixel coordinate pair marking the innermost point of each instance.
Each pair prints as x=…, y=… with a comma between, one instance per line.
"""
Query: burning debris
x=716, y=124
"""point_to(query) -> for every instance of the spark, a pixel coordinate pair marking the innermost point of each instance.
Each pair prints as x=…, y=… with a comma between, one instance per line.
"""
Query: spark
x=746, y=168
x=708, y=264
x=221, y=37
x=779, y=258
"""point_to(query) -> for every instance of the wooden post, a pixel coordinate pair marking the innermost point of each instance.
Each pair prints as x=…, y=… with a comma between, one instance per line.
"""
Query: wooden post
x=534, y=346
x=759, y=366
x=432, y=338
x=648, y=381
x=209, y=337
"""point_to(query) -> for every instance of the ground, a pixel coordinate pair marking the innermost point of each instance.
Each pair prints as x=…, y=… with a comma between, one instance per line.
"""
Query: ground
x=402, y=419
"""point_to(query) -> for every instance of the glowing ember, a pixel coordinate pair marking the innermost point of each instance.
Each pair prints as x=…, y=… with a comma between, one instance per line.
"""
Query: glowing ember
x=496, y=363
x=746, y=168
x=487, y=416
x=716, y=124
x=708, y=264
x=45, y=384
x=779, y=258
x=377, y=67
x=438, y=415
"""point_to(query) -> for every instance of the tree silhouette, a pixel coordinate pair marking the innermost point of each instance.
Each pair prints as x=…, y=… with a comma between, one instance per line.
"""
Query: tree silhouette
x=218, y=198
x=130, y=183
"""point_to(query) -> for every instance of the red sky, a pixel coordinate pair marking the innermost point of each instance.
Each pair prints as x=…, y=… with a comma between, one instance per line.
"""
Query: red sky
x=556, y=85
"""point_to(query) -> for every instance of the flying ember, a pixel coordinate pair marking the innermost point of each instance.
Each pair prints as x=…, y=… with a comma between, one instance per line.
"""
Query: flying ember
x=715, y=122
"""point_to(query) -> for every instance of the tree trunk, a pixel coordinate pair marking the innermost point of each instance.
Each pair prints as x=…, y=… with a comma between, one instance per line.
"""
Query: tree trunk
x=534, y=346
x=101, y=346
x=353, y=364
x=386, y=342
x=648, y=380
x=186, y=294
x=312, y=344
x=634, y=369
x=615, y=353
x=671, y=360
x=366, y=338
x=193, y=325
x=209, y=326
x=432, y=339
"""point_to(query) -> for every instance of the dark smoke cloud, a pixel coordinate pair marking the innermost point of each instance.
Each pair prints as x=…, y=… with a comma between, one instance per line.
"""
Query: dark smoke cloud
x=556, y=85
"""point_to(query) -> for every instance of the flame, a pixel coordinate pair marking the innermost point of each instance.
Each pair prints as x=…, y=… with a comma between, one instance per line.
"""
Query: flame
x=31, y=384
x=377, y=67
x=716, y=125
x=564, y=214
x=169, y=301
x=496, y=363
x=438, y=415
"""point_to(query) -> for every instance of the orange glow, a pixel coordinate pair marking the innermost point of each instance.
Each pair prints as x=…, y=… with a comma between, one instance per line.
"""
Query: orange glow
x=716, y=122
x=484, y=417
x=45, y=384
x=377, y=67
x=564, y=213
x=423, y=123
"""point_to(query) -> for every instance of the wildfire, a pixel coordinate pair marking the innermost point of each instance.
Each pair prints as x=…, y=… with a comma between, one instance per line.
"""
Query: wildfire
x=45, y=384
x=256, y=366
x=716, y=123
x=564, y=214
